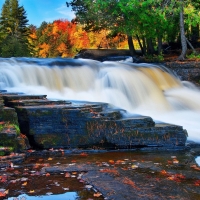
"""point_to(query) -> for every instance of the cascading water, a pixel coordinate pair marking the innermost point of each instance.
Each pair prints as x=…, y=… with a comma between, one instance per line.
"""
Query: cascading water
x=139, y=88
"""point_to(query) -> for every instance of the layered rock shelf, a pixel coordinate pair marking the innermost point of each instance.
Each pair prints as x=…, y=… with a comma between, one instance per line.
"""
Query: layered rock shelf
x=64, y=124
x=10, y=137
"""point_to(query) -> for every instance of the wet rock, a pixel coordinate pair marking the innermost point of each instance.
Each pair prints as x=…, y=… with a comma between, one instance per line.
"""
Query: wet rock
x=63, y=124
x=12, y=97
x=10, y=137
x=186, y=71
x=103, y=54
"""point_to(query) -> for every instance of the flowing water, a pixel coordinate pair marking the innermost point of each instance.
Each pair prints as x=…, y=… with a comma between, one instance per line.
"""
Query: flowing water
x=145, y=89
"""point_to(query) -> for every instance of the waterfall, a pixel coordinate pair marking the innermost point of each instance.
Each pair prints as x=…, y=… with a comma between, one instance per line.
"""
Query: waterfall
x=145, y=89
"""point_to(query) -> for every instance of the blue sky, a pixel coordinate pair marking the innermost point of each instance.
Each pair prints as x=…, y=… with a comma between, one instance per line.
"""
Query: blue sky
x=45, y=10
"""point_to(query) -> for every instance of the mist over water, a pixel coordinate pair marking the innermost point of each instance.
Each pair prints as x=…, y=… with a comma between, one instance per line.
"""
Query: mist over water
x=144, y=89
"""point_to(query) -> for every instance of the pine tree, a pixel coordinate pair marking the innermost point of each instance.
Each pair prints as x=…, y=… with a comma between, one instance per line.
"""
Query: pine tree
x=13, y=30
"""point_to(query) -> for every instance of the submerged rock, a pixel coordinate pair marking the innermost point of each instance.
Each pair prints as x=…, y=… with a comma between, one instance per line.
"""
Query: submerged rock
x=63, y=124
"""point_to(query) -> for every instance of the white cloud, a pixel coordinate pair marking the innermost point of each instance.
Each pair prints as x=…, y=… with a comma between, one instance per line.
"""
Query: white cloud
x=65, y=12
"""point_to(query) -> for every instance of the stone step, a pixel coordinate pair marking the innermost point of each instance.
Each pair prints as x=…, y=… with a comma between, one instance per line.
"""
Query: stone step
x=9, y=115
x=12, y=97
x=36, y=102
x=3, y=91
x=160, y=135
x=72, y=126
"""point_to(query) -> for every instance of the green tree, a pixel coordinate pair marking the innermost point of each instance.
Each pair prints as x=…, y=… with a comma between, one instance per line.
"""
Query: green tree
x=148, y=20
x=13, y=30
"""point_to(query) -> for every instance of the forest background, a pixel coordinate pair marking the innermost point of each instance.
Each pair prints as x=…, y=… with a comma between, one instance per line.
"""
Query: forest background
x=151, y=26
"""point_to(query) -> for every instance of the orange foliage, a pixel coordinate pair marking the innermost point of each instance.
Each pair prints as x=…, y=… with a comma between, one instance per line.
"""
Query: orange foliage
x=66, y=39
x=44, y=49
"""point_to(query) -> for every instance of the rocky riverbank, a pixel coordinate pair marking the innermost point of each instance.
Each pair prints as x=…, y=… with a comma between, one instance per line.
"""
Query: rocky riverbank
x=186, y=71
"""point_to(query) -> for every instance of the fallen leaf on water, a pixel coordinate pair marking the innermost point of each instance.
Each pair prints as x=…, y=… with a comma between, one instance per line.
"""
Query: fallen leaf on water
x=176, y=177
x=119, y=161
x=84, y=154
x=98, y=194
x=112, y=162
x=163, y=172
x=47, y=174
x=175, y=161
x=2, y=194
x=30, y=150
x=31, y=191
x=67, y=175
x=195, y=167
x=134, y=166
x=24, y=184
x=130, y=182
x=112, y=171
x=197, y=183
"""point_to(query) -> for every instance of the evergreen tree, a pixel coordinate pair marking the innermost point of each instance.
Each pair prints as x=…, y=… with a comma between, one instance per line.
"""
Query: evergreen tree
x=13, y=30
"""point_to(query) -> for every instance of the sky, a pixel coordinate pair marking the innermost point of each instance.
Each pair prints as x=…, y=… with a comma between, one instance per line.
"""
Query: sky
x=44, y=10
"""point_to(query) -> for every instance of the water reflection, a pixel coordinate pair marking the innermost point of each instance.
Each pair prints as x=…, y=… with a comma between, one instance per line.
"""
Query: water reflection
x=66, y=196
x=198, y=160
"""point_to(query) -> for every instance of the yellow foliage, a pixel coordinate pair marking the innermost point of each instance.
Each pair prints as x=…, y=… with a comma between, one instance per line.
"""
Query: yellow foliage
x=44, y=50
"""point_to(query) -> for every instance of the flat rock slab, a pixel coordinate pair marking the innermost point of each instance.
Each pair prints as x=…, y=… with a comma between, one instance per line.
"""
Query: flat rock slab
x=35, y=102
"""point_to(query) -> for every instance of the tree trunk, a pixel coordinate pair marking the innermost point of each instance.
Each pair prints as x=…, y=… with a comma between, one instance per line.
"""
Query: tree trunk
x=183, y=38
x=144, y=45
x=131, y=46
x=159, y=45
x=141, y=47
x=193, y=49
x=150, y=48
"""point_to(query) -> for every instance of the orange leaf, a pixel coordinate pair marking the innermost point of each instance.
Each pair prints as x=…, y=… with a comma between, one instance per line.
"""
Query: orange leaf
x=163, y=172
x=47, y=174
x=24, y=184
x=2, y=194
x=130, y=182
x=98, y=194
x=112, y=162
x=84, y=154
x=67, y=175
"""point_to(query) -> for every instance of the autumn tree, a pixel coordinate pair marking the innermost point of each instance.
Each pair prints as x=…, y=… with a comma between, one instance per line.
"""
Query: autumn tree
x=13, y=30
